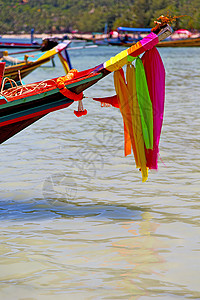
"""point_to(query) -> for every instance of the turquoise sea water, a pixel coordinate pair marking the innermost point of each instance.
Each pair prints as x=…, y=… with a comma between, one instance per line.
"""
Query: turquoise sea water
x=76, y=222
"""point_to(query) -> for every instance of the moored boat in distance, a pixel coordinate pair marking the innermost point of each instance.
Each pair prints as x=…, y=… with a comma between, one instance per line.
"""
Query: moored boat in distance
x=123, y=36
x=189, y=42
x=17, y=67
x=128, y=36
x=46, y=44
x=4, y=43
x=180, y=38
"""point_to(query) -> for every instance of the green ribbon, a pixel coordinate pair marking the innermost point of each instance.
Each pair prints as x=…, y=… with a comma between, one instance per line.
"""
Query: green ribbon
x=145, y=105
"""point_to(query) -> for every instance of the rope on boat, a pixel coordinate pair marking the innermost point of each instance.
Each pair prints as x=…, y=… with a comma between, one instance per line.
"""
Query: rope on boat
x=11, y=81
x=40, y=86
x=25, y=89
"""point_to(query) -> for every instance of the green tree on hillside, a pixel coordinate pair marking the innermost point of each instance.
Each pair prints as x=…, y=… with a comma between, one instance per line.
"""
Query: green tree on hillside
x=86, y=15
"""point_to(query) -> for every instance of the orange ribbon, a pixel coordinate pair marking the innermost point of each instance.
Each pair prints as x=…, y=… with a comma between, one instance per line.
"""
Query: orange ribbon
x=60, y=83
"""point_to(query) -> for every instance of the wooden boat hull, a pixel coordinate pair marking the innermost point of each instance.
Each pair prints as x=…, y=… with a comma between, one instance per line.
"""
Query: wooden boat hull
x=19, y=45
x=191, y=42
x=22, y=111
x=47, y=44
x=7, y=131
x=171, y=43
x=25, y=69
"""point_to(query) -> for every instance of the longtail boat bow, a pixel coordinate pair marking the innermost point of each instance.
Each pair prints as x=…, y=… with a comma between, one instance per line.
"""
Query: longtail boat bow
x=20, y=106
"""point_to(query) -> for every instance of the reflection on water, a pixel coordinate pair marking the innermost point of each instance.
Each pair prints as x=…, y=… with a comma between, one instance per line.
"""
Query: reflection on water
x=40, y=209
x=77, y=223
x=116, y=248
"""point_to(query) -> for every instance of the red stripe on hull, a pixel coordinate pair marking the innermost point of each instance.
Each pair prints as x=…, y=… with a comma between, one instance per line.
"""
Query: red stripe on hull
x=10, y=130
x=36, y=114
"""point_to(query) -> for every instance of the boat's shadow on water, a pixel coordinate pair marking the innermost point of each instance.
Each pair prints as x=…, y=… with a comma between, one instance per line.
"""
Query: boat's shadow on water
x=42, y=210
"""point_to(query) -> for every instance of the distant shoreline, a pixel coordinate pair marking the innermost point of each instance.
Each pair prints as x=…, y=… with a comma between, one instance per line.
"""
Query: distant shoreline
x=71, y=36
x=84, y=36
